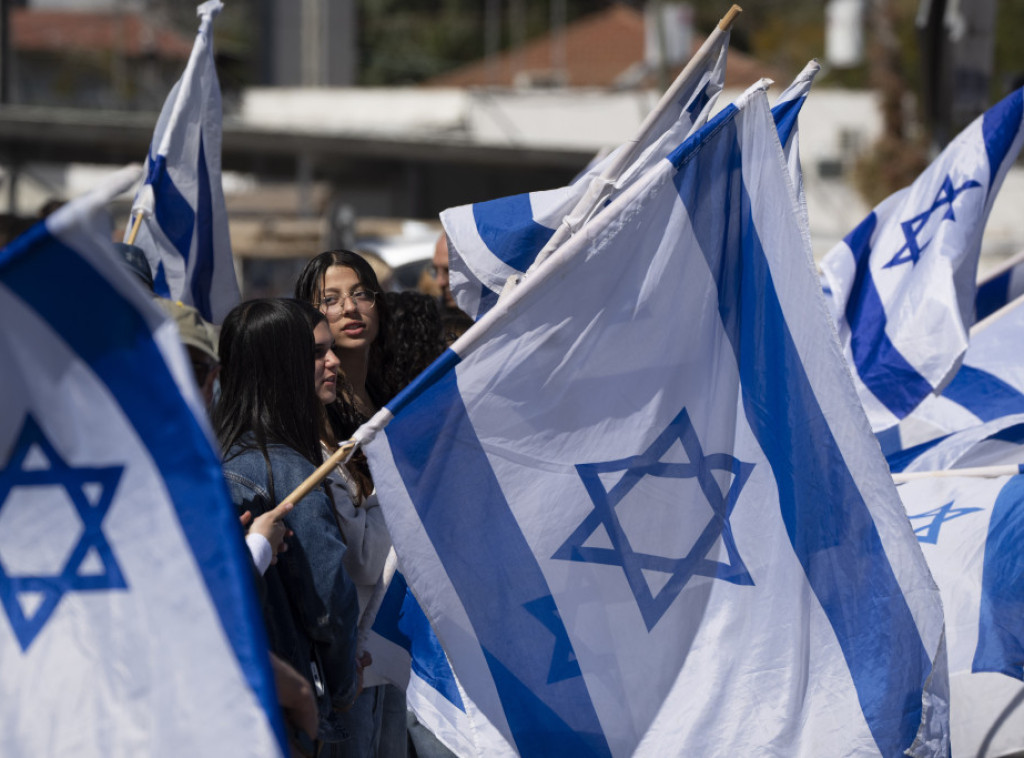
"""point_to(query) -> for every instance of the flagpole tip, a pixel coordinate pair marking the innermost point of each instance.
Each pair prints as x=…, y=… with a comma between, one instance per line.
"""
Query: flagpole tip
x=729, y=17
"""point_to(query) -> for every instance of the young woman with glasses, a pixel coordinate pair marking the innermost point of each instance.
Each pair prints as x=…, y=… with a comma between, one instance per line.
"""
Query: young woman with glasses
x=343, y=286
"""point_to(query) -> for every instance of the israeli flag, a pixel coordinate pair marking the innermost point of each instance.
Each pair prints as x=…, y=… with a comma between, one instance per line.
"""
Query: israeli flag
x=128, y=622
x=971, y=530
x=988, y=386
x=903, y=281
x=184, y=230
x=490, y=242
x=650, y=518
x=407, y=653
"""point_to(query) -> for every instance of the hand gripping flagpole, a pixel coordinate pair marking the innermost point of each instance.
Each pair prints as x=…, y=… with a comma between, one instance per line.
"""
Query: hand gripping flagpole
x=601, y=187
x=369, y=614
x=337, y=457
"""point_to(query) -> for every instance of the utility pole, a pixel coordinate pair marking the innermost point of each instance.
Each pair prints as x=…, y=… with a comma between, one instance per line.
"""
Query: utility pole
x=957, y=40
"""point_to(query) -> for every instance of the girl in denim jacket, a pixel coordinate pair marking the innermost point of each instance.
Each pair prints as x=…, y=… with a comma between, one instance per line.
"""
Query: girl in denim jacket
x=268, y=422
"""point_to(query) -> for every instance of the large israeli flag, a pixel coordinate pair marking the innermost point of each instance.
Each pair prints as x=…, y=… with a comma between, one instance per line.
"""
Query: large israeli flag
x=639, y=501
x=903, y=281
x=184, y=230
x=128, y=622
x=491, y=241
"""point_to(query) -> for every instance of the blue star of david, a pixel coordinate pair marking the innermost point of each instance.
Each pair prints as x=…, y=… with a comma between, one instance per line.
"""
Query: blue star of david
x=930, y=532
x=563, y=661
x=681, y=570
x=70, y=578
x=911, y=251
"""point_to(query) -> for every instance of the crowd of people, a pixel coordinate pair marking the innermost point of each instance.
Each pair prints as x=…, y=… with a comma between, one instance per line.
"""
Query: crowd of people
x=285, y=382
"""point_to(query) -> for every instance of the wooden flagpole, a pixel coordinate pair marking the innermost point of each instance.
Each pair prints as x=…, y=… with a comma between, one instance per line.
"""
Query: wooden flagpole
x=134, y=231
x=321, y=473
x=1011, y=469
x=601, y=187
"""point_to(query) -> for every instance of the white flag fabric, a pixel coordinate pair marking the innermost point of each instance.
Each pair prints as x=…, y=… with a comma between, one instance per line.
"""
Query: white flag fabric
x=184, y=231
x=785, y=113
x=903, y=281
x=639, y=501
x=128, y=622
x=489, y=242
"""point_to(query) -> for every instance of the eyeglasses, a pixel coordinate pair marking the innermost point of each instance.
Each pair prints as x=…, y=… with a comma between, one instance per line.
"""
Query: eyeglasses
x=333, y=305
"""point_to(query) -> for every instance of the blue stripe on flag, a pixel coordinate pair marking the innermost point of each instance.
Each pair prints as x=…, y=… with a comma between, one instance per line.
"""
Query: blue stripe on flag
x=785, y=117
x=1012, y=434
x=488, y=299
x=428, y=659
x=986, y=396
x=900, y=459
x=202, y=271
x=495, y=574
x=386, y=622
x=167, y=428
x=173, y=213
x=444, y=363
x=401, y=620
x=1000, y=126
x=507, y=227
x=992, y=295
x=839, y=548
x=881, y=367
x=1001, y=618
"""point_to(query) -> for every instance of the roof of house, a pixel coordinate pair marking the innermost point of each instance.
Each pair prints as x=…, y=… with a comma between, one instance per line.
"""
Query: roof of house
x=134, y=34
x=599, y=49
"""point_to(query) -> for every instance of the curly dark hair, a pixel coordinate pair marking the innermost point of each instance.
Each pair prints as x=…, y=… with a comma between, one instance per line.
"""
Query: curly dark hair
x=417, y=333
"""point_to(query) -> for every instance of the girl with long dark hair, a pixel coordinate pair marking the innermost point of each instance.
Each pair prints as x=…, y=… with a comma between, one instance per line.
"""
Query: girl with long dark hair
x=275, y=369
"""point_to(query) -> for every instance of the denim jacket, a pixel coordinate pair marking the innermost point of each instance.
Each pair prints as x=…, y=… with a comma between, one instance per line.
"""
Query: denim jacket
x=311, y=607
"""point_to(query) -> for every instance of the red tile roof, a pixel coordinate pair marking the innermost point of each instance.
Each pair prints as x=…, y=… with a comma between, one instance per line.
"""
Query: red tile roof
x=62, y=31
x=599, y=48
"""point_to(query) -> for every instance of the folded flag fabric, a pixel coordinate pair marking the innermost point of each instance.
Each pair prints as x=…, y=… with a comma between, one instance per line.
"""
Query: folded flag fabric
x=184, y=230
x=1000, y=287
x=903, y=281
x=407, y=653
x=646, y=474
x=489, y=242
x=128, y=622
x=988, y=386
x=785, y=113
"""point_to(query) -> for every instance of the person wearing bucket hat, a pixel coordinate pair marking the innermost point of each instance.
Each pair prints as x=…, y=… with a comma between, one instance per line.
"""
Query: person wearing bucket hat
x=200, y=339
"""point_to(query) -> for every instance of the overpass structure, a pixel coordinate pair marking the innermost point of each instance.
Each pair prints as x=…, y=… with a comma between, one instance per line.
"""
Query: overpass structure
x=407, y=153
